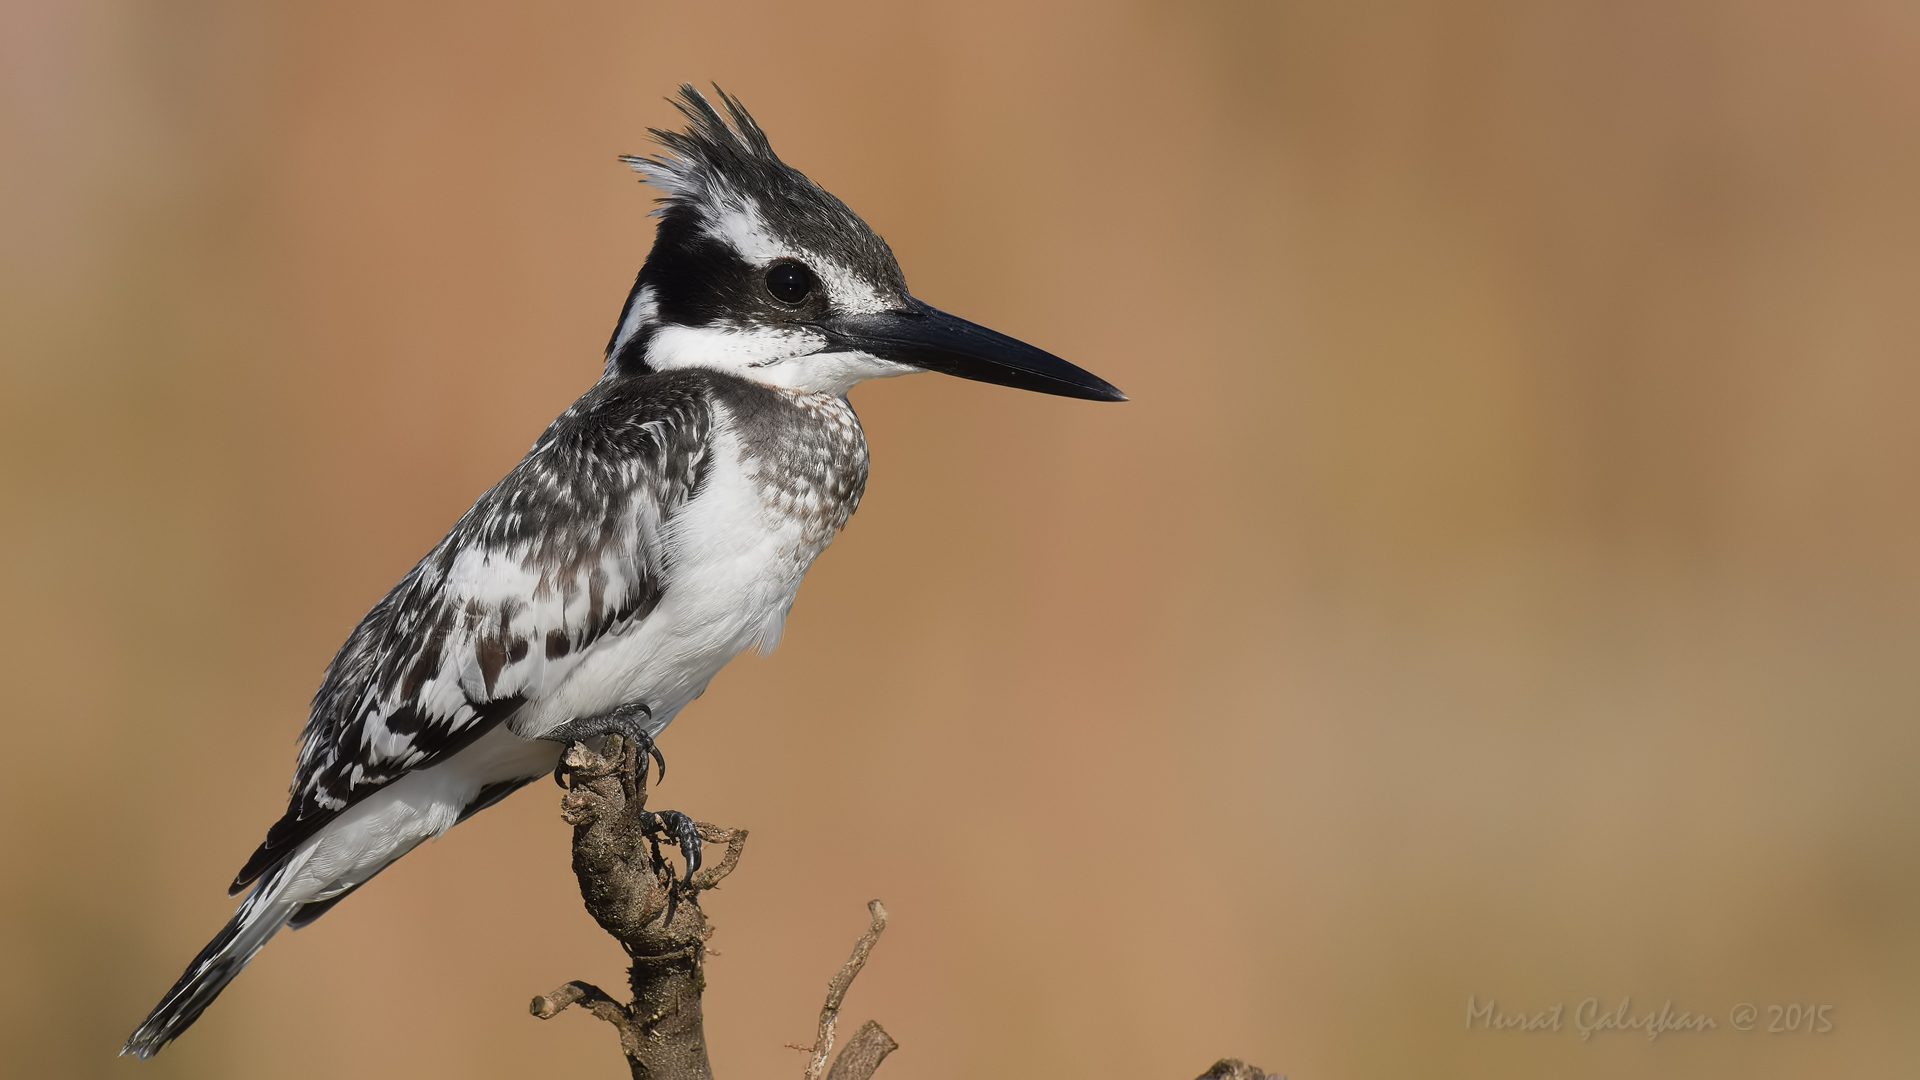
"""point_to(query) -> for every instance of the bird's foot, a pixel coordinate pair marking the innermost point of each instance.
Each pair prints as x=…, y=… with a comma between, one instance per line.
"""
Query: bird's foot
x=676, y=828
x=628, y=721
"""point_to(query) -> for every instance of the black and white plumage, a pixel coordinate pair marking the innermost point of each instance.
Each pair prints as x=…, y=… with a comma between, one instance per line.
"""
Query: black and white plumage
x=660, y=527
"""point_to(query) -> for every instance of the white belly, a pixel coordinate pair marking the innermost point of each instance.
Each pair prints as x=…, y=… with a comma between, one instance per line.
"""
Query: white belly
x=735, y=564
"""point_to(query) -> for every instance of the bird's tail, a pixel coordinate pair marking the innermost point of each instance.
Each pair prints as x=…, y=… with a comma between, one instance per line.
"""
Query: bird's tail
x=261, y=917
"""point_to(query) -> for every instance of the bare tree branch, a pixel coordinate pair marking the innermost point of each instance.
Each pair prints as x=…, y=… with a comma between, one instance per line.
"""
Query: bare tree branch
x=837, y=991
x=863, y=1053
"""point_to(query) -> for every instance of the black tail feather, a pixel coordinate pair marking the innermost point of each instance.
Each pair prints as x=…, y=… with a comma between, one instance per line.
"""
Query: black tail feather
x=225, y=956
x=209, y=974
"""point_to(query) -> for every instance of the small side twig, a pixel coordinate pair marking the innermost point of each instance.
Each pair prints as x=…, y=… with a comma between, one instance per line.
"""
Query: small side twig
x=830, y=1012
x=736, y=841
x=596, y=1001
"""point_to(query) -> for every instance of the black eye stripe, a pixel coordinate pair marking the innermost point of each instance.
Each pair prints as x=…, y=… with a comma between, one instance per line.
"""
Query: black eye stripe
x=790, y=282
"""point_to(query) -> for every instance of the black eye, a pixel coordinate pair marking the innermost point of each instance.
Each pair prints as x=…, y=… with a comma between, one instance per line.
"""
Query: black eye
x=789, y=282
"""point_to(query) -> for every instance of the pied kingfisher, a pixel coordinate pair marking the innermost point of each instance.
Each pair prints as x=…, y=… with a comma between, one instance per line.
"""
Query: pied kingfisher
x=657, y=529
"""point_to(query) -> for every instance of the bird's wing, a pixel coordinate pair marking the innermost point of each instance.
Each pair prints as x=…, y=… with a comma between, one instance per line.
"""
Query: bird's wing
x=570, y=545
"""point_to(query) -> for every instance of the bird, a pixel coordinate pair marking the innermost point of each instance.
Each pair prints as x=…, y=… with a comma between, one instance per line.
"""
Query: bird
x=658, y=528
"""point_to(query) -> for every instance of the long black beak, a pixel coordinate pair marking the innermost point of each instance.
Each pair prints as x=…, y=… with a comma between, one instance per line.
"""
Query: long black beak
x=923, y=336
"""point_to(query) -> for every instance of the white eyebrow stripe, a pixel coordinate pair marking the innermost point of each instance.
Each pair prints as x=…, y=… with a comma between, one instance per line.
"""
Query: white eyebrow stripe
x=849, y=293
x=738, y=224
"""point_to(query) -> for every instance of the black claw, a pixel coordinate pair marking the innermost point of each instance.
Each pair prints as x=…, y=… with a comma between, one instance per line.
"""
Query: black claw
x=687, y=835
x=679, y=830
x=659, y=758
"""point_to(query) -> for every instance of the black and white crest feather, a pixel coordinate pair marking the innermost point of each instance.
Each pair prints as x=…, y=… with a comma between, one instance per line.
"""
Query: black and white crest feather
x=713, y=160
x=718, y=164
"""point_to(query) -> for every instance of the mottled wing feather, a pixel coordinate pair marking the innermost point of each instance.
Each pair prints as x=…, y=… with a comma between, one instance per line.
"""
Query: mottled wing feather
x=570, y=545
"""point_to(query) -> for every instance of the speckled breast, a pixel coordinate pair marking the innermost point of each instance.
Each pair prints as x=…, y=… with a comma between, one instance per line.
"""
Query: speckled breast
x=806, y=456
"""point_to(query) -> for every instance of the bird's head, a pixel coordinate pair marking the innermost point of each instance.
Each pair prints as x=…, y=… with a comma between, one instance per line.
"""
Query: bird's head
x=759, y=272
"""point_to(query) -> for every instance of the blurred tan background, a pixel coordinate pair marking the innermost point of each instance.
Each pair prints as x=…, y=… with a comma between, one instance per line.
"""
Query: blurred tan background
x=1504, y=583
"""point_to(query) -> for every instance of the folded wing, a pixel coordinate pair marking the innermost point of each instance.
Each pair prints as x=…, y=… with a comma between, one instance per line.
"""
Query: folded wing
x=569, y=546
